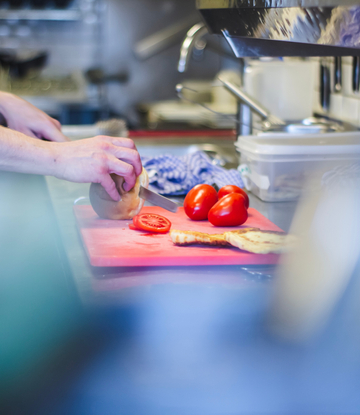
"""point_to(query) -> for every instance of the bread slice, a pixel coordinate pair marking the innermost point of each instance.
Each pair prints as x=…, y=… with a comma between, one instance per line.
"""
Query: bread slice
x=260, y=242
x=192, y=237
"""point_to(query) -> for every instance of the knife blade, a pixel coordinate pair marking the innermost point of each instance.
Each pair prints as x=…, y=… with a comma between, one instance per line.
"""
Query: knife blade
x=157, y=200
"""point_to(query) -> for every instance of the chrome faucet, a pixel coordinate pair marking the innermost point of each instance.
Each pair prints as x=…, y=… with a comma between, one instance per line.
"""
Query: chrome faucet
x=244, y=116
x=195, y=33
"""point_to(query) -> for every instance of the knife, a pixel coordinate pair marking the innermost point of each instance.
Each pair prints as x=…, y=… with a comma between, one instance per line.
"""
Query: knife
x=157, y=200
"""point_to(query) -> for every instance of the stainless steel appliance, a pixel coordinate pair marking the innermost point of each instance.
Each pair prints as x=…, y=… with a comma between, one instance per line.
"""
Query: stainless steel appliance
x=278, y=28
x=285, y=27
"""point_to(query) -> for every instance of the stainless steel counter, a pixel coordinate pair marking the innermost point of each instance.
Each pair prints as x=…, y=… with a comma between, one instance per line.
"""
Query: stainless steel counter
x=195, y=340
x=104, y=285
x=180, y=340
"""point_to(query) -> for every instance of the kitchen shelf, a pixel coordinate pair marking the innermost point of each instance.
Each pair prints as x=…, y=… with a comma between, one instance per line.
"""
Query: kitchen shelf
x=53, y=15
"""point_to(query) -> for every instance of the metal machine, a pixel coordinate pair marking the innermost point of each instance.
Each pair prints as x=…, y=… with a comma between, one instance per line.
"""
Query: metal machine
x=285, y=27
x=278, y=28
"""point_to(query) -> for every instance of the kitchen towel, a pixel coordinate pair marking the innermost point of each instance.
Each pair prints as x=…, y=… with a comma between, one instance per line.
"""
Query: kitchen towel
x=173, y=176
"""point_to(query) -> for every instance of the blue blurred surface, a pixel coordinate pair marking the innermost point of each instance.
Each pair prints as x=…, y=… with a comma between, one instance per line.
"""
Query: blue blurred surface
x=165, y=348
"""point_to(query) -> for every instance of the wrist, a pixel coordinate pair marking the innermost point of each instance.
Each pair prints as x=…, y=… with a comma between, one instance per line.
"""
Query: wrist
x=53, y=159
x=24, y=154
x=48, y=154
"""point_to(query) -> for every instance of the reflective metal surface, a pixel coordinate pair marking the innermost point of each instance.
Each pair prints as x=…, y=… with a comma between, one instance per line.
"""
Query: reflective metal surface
x=196, y=32
x=164, y=38
x=270, y=123
x=312, y=125
x=294, y=28
x=255, y=106
x=157, y=200
x=220, y=4
x=43, y=14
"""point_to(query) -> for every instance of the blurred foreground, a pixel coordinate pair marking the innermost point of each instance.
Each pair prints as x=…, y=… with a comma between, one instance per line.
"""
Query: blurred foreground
x=288, y=344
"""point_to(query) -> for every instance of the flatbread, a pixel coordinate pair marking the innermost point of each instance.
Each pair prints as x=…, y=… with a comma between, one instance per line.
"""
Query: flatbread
x=260, y=242
x=248, y=239
x=191, y=237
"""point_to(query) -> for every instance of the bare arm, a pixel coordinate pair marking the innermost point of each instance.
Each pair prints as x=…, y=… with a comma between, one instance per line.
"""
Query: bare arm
x=21, y=116
x=91, y=160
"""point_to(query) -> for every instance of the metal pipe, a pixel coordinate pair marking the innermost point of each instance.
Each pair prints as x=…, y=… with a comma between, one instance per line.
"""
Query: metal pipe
x=325, y=86
x=187, y=46
x=161, y=40
x=356, y=74
x=252, y=103
x=338, y=74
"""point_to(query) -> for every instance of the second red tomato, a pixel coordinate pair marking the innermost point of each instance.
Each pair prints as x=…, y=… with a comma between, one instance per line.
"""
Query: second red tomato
x=229, y=211
x=199, y=201
x=230, y=188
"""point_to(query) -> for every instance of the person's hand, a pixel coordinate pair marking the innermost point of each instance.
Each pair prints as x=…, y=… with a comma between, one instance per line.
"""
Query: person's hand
x=92, y=160
x=22, y=116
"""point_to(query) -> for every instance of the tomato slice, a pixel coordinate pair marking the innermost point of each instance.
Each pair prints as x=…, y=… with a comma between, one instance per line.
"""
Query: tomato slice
x=133, y=227
x=152, y=223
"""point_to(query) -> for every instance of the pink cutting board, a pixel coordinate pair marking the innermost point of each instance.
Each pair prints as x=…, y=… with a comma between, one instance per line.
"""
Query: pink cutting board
x=110, y=243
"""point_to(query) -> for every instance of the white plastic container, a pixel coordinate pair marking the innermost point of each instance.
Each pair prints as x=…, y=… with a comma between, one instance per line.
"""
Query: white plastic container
x=275, y=167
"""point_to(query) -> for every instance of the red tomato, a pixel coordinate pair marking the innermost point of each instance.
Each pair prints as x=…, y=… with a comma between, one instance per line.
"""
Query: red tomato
x=133, y=227
x=229, y=211
x=152, y=223
x=230, y=188
x=199, y=201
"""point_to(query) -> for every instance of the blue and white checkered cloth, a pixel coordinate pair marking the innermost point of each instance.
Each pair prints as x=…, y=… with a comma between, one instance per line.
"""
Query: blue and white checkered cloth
x=170, y=175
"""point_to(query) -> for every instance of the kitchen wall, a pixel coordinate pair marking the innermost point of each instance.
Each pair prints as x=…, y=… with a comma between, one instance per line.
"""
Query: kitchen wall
x=345, y=103
x=283, y=85
x=105, y=37
x=73, y=47
x=72, y=44
x=127, y=22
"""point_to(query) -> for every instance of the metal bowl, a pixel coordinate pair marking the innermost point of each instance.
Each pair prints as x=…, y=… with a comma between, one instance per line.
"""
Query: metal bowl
x=311, y=125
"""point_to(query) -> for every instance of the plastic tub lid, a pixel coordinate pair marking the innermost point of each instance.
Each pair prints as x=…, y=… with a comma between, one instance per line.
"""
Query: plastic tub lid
x=286, y=144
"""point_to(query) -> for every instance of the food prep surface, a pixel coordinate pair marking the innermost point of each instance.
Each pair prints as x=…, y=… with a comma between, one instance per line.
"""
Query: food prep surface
x=194, y=335
x=113, y=284
x=112, y=243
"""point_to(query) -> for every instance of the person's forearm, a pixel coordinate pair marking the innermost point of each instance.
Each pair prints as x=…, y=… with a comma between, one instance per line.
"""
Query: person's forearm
x=4, y=96
x=7, y=105
x=91, y=160
x=22, y=116
x=24, y=154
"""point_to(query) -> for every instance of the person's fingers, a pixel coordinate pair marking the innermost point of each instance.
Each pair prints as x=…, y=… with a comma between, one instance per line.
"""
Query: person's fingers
x=124, y=149
x=123, y=169
x=123, y=142
x=51, y=133
x=129, y=156
x=27, y=132
x=56, y=123
x=127, y=187
x=109, y=185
